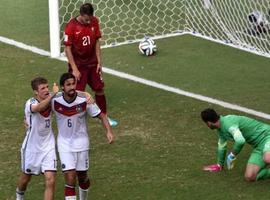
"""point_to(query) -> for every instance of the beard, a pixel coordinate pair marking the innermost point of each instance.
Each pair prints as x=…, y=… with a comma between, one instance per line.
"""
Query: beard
x=71, y=93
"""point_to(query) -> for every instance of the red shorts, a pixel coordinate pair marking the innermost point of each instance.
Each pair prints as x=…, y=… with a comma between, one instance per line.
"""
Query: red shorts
x=90, y=77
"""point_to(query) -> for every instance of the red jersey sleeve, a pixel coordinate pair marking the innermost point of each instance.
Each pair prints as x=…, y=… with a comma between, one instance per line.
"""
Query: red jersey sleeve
x=97, y=29
x=69, y=33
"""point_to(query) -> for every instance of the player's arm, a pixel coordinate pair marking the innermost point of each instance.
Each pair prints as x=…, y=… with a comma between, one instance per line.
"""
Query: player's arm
x=45, y=103
x=94, y=111
x=221, y=154
x=88, y=96
x=221, y=151
x=68, y=41
x=237, y=146
x=72, y=63
x=98, y=54
x=238, y=138
x=106, y=125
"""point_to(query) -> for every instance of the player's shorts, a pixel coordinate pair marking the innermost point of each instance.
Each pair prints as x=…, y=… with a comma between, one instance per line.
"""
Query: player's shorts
x=91, y=77
x=74, y=160
x=256, y=156
x=38, y=162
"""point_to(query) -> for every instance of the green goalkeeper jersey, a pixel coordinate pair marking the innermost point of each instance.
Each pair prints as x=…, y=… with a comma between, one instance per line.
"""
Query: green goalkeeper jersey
x=241, y=130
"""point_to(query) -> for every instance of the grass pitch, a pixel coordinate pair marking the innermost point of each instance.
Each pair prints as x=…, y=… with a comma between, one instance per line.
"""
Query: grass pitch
x=161, y=143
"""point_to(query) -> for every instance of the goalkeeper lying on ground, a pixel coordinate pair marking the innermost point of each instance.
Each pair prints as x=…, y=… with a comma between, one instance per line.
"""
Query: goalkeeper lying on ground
x=241, y=130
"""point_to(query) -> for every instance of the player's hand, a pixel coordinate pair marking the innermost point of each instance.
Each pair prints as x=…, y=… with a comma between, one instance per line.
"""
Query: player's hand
x=25, y=124
x=89, y=98
x=110, y=137
x=77, y=74
x=231, y=158
x=99, y=69
x=55, y=89
x=212, y=168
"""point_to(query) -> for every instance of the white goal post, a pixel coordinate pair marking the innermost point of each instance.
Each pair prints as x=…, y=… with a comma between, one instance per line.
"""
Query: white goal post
x=230, y=22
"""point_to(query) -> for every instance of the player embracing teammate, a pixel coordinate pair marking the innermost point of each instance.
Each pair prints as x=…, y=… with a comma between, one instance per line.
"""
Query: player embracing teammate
x=71, y=107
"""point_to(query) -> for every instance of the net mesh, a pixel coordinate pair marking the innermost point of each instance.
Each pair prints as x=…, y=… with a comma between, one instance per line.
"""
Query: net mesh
x=128, y=20
x=227, y=21
x=123, y=21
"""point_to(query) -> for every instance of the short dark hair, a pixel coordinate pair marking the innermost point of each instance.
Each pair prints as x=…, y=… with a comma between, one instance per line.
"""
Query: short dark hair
x=38, y=81
x=209, y=115
x=87, y=9
x=64, y=77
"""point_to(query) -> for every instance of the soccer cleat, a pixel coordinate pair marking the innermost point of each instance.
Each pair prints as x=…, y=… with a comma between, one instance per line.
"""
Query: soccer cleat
x=212, y=168
x=112, y=122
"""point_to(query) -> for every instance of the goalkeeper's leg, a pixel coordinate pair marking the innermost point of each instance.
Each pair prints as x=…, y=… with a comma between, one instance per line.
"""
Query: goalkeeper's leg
x=254, y=165
x=265, y=172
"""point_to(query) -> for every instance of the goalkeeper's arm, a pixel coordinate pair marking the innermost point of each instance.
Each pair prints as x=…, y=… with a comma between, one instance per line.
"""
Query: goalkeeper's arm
x=237, y=147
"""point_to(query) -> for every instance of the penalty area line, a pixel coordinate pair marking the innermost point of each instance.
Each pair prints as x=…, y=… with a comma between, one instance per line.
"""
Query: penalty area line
x=145, y=82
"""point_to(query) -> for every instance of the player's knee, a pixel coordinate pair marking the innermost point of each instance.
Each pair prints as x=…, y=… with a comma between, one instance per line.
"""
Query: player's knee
x=70, y=177
x=266, y=159
x=250, y=177
x=99, y=90
x=50, y=181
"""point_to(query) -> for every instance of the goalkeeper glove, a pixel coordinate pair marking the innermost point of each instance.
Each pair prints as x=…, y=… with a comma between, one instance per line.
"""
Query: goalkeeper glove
x=212, y=168
x=231, y=158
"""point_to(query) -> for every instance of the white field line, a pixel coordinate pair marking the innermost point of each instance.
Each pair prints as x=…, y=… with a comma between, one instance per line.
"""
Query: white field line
x=146, y=82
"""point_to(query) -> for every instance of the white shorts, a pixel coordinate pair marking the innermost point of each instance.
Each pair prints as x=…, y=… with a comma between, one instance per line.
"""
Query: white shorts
x=36, y=163
x=74, y=160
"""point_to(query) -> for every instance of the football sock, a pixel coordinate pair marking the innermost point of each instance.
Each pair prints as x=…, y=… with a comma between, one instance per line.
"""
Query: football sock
x=70, y=193
x=263, y=174
x=83, y=189
x=101, y=102
x=19, y=194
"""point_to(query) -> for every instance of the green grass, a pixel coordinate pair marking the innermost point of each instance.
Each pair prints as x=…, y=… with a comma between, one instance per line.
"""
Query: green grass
x=161, y=143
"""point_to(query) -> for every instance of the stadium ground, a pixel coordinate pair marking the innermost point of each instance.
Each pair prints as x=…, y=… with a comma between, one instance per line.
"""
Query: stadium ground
x=161, y=143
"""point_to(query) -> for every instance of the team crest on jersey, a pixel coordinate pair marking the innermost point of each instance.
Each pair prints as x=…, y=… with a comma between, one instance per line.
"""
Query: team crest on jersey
x=92, y=29
x=79, y=109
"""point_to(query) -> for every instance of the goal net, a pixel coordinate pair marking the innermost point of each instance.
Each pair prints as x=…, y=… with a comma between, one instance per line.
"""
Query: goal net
x=224, y=21
x=124, y=21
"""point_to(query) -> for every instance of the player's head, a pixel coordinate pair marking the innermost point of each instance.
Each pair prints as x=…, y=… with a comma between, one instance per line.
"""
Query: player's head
x=86, y=12
x=40, y=87
x=211, y=118
x=68, y=84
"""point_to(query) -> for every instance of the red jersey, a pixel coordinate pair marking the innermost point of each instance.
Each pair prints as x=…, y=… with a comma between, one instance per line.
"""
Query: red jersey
x=82, y=39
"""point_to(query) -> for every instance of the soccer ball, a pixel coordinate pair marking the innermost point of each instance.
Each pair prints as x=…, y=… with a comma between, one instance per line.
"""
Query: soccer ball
x=147, y=47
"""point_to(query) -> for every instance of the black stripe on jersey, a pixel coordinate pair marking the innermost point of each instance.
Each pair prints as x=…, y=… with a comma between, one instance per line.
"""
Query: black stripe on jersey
x=97, y=115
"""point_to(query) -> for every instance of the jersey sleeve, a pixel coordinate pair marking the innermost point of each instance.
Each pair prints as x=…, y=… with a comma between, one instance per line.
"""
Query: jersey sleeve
x=238, y=138
x=97, y=29
x=221, y=150
x=69, y=34
x=28, y=105
x=93, y=110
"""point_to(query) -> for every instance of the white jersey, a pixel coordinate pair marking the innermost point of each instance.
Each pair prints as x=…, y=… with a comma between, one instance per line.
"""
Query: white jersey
x=39, y=135
x=70, y=117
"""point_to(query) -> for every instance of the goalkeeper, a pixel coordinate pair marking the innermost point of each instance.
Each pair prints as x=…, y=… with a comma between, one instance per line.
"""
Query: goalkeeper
x=241, y=130
x=258, y=23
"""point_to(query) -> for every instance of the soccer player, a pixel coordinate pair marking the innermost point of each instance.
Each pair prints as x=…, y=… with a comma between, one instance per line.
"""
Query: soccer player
x=241, y=130
x=38, y=148
x=258, y=23
x=71, y=110
x=82, y=48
